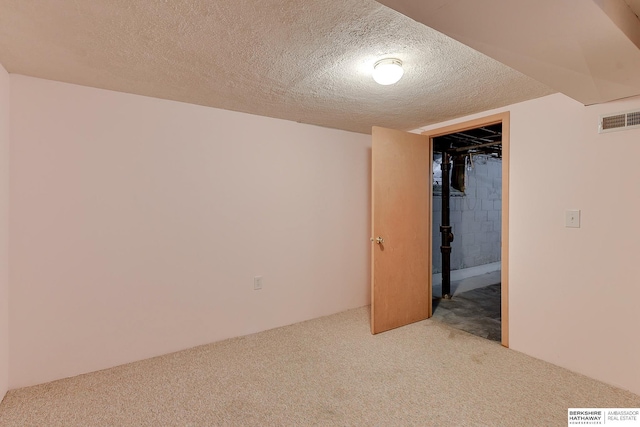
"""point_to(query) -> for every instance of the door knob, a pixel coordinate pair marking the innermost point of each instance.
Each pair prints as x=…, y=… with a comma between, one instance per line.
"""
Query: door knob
x=378, y=240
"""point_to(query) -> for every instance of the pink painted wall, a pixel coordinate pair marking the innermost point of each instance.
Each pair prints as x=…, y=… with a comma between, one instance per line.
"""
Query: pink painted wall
x=574, y=293
x=4, y=231
x=138, y=225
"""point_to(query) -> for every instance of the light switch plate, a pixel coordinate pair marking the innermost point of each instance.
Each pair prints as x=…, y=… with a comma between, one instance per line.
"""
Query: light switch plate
x=572, y=219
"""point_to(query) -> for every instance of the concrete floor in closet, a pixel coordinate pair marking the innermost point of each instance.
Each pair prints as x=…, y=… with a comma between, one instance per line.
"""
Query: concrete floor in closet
x=474, y=307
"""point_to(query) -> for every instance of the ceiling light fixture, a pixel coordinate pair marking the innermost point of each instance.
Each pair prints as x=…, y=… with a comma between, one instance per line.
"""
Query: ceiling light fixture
x=387, y=71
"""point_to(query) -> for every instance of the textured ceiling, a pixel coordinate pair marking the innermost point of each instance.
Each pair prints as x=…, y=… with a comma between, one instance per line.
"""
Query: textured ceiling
x=306, y=61
x=586, y=49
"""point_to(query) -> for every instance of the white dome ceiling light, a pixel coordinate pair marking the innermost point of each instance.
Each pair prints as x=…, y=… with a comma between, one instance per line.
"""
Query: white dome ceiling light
x=387, y=71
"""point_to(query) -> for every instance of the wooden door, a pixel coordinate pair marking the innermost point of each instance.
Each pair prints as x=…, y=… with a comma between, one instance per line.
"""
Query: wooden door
x=401, y=212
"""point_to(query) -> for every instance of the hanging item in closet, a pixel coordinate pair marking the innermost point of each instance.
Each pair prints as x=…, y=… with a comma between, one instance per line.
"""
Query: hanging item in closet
x=457, y=177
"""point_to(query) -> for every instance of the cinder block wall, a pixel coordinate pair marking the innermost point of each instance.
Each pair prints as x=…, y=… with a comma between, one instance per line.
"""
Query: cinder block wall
x=475, y=217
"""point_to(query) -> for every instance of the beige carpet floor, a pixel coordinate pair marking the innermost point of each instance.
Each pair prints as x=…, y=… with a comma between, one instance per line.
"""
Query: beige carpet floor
x=325, y=372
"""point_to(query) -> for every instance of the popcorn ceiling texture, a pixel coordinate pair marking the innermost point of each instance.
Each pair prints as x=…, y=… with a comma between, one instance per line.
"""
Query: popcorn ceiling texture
x=304, y=61
x=587, y=50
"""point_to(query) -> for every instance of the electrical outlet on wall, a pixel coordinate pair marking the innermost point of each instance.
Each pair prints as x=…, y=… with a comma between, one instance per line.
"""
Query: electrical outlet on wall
x=572, y=218
x=257, y=283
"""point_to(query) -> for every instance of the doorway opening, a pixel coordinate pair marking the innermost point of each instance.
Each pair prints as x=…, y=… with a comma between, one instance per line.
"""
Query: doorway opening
x=468, y=245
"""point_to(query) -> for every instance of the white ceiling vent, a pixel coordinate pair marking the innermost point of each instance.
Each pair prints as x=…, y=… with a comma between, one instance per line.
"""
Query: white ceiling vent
x=619, y=121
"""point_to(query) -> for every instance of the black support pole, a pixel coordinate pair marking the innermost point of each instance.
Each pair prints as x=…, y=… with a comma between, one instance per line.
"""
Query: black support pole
x=445, y=227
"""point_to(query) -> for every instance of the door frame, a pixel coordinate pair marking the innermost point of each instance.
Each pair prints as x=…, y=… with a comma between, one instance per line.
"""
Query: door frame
x=504, y=253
